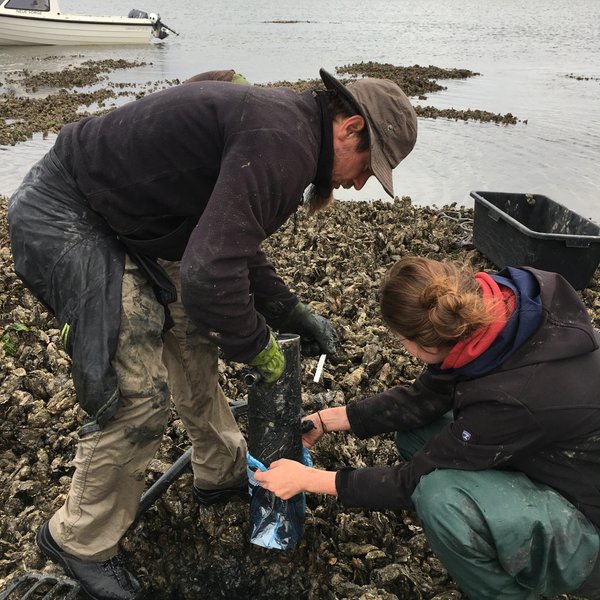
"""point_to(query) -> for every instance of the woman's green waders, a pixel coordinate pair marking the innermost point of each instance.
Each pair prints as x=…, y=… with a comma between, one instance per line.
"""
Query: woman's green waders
x=500, y=535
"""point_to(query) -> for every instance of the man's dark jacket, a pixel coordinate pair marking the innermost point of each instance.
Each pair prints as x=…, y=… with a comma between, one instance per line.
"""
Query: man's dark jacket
x=537, y=413
x=203, y=173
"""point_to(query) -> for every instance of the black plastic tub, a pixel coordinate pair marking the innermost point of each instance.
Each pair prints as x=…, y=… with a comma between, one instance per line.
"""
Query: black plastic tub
x=532, y=230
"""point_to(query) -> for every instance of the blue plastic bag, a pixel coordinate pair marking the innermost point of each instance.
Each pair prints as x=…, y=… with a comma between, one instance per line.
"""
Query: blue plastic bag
x=275, y=523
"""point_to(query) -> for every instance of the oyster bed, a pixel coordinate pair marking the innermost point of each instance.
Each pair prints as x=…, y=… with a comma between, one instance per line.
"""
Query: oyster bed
x=43, y=101
x=333, y=260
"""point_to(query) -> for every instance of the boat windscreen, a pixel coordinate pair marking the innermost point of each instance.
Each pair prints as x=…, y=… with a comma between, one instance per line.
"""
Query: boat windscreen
x=28, y=4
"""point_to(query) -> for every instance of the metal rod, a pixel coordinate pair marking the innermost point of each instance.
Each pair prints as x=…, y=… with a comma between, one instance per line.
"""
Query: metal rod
x=160, y=486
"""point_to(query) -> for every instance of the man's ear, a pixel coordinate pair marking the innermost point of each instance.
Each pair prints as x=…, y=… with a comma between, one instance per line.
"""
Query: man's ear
x=353, y=125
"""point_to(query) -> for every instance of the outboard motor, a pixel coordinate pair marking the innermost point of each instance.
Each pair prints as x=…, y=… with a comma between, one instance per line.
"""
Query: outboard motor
x=159, y=29
x=134, y=13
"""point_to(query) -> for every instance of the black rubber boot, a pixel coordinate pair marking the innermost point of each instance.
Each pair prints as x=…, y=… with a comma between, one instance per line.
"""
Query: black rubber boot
x=107, y=580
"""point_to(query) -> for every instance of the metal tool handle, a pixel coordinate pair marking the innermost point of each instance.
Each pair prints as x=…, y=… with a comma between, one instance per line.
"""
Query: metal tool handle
x=160, y=486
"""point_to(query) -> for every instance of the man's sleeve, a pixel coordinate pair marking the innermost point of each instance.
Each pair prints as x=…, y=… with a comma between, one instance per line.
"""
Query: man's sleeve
x=272, y=297
x=262, y=177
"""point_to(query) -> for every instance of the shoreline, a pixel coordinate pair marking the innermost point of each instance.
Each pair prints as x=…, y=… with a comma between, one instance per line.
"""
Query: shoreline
x=59, y=95
x=43, y=101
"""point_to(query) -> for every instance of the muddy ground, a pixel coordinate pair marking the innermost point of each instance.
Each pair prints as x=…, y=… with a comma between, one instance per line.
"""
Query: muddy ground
x=335, y=261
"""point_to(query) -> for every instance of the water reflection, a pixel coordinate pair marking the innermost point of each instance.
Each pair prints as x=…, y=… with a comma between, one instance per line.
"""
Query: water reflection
x=524, y=52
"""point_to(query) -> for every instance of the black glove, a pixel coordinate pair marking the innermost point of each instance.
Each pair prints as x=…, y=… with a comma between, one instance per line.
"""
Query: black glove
x=317, y=334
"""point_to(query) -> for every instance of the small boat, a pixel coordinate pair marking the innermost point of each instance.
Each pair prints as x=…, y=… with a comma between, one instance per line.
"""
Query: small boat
x=40, y=23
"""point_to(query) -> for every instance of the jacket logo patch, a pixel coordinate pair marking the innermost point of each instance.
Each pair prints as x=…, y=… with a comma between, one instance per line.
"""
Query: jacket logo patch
x=466, y=436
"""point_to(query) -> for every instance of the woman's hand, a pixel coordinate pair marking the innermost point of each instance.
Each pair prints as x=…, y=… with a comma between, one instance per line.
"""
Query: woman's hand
x=314, y=434
x=324, y=421
x=285, y=478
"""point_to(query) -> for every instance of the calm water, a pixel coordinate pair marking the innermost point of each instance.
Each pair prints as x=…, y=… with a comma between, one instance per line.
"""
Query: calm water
x=523, y=50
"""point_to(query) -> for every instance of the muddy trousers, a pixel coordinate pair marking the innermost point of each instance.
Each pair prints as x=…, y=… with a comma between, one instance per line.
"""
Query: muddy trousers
x=110, y=464
x=502, y=536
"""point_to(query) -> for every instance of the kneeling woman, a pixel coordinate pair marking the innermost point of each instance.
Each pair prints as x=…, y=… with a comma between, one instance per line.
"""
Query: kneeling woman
x=499, y=436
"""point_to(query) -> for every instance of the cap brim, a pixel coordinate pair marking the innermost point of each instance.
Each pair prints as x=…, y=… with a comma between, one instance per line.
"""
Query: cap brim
x=378, y=161
x=381, y=169
x=331, y=83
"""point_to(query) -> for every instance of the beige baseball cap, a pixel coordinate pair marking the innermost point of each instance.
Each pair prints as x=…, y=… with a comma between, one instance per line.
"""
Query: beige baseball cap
x=390, y=117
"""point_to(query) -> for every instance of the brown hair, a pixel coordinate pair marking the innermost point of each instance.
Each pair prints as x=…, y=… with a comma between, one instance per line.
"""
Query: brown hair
x=433, y=303
x=340, y=107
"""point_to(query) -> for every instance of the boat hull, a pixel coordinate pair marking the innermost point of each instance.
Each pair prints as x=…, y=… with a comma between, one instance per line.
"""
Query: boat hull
x=72, y=31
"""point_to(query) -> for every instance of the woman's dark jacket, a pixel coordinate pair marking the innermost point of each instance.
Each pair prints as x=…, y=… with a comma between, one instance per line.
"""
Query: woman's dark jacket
x=538, y=412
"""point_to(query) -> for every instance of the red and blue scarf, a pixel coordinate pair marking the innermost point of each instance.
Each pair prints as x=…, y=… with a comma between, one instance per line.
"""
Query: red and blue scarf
x=513, y=295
